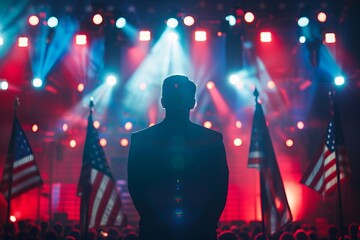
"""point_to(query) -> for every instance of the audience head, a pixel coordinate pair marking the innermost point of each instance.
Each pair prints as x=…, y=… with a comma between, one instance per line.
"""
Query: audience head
x=300, y=234
x=227, y=235
x=178, y=92
x=287, y=236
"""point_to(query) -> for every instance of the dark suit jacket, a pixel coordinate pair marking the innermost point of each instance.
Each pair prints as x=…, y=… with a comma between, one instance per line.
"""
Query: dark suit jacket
x=178, y=180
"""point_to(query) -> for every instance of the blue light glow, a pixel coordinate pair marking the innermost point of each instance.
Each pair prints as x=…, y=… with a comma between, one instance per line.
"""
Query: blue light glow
x=303, y=21
x=339, y=80
x=172, y=22
x=121, y=22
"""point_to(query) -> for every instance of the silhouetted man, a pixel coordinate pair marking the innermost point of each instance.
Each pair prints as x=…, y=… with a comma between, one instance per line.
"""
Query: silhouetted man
x=177, y=171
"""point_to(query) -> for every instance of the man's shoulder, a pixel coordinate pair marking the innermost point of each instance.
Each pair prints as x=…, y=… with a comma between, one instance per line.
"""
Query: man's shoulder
x=205, y=131
x=145, y=132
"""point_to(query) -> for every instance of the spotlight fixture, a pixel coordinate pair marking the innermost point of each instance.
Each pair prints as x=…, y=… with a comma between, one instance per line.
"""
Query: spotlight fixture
x=330, y=38
x=172, y=22
x=97, y=19
x=120, y=22
x=200, y=36
x=339, y=80
x=249, y=17
x=23, y=42
x=80, y=39
x=144, y=36
x=37, y=82
x=34, y=20
x=189, y=21
x=265, y=37
x=303, y=21
x=52, y=22
x=111, y=80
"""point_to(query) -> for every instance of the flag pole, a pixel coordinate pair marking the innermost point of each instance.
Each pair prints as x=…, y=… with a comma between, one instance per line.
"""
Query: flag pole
x=334, y=114
x=84, y=202
x=256, y=95
x=11, y=162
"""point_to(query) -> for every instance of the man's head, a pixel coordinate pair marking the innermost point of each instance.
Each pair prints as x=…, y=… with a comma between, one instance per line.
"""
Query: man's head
x=178, y=91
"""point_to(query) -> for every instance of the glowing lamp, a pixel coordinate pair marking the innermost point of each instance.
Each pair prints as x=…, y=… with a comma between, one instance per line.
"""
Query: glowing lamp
x=289, y=143
x=300, y=125
x=97, y=19
x=96, y=124
x=207, y=124
x=35, y=128
x=210, y=85
x=103, y=142
x=65, y=127
x=189, y=21
x=302, y=39
x=33, y=20
x=339, y=80
x=237, y=142
x=144, y=36
x=124, y=142
x=80, y=87
x=231, y=19
x=249, y=17
x=271, y=84
x=111, y=80
x=12, y=218
x=52, y=22
x=4, y=85
x=200, y=36
x=128, y=126
x=80, y=39
x=1, y=41
x=120, y=22
x=72, y=143
x=265, y=37
x=37, y=82
x=321, y=17
x=303, y=21
x=172, y=22
x=23, y=42
x=238, y=124
x=330, y=38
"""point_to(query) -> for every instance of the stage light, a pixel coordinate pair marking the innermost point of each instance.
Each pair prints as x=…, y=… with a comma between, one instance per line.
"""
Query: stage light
x=237, y=142
x=96, y=124
x=302, y=39
x=52, y=22
x=65, y=127
x=80, y=87
x=37, y=82
x=210, y=85
x=33, y=20
x=35, y=128
x=120, y=22
x=23, y=42
x=124, y=142
x=111, y=80
x=330, y=38
x=303, y=21
x=144, y=36
x=80, y=39
x=231, y=19
x=128, y=126
x=1, y=41
x=249, y=17
x=219, y=34
x=172, y=22
x=265, y=37
x=234, y=79
x=172, y=36
x=339, y=80
x=97, y=19
x=321, y=17
x=207, y=124
x=12, y=218
x=4, y=85
x=238, y=124
x=72, y=143
x=289, y=142
x=189, y=21
x=300, y=125
x=271, y=84
x=200, y=36
x=103, y=142
x=143, y=86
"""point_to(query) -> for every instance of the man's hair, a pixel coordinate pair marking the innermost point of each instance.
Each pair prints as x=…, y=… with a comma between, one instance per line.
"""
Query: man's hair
x=178, y=91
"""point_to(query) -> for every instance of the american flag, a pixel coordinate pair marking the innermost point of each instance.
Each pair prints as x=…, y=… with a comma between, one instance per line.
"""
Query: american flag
x=97, y=182
x=20, y=167
x=274, y=204
x=322, y=175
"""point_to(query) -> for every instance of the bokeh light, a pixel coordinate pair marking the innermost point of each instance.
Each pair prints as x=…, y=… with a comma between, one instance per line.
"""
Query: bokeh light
x=321, y=17
x=35, y=128
x=4, y=85
x=97, y=19
x=34, y=20
x=249, y=17
x=80, y=87
x=189, y=21
x=237, y=142
x=120, y=22
x=72, y=143
x=210, y=85
x=303, y=21
x=65, y=127
x=172, y=22
x=289, y=142
x=96, y=124
x=128, y=126
x=37, y=82
x=300, y=125
x=52, y=22
x=103, y=142
x=207, y=124
x=124, y=142
x=238, y=124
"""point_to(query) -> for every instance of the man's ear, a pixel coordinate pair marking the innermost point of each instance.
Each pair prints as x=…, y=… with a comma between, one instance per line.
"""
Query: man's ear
x=192, y=104
x=163, y=102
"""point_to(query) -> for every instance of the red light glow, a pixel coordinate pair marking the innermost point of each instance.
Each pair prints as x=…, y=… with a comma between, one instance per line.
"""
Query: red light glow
x=265, y=37
x=80, y=39
x=289, y=143
x=144, y=36
x=103, y=142
x=80, y=87
x=65, y=127
x=72, y=143
x=200, y=36
x=210, y=85
x=237, y=142
x=238, y=124
x=23, y=42
x=12, y=218
x=35, y=128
